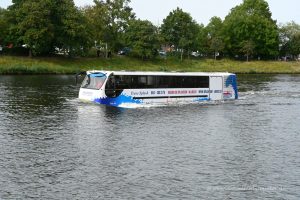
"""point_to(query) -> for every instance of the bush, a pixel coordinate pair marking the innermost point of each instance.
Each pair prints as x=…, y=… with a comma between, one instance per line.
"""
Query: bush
x=16, y=51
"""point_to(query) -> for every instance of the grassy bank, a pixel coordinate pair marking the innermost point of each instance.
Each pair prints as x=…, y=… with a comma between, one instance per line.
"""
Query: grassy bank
x=24, y=65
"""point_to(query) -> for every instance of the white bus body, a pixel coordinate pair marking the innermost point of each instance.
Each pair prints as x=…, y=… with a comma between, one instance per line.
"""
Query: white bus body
x=126, y=89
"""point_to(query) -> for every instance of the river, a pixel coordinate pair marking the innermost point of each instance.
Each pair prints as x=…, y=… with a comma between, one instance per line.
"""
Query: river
x=52, y=146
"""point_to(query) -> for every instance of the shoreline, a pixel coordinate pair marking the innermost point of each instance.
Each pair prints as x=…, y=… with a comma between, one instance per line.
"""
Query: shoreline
x=13, y=65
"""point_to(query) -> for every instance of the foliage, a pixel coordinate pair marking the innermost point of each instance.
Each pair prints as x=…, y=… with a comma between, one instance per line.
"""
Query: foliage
x=4, y=26
x=179, y=30
x=214, y=28
x=34, y=28
x=247, y=47
x=142, y=37
x=290, y=39
x=71, y=32
x=96, y=17
x=214, y=35
x=45, y=26
x=216, y=45
x=201, y=42
x=42, y=25
x=108, y=20
x=251, y=21
x=295, y=44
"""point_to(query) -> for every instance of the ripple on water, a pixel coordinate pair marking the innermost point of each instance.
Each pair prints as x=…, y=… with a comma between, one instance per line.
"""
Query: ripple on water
x=55, y=147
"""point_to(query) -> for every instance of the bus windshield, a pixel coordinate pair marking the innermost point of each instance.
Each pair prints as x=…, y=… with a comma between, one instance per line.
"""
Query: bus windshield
x=93, y=81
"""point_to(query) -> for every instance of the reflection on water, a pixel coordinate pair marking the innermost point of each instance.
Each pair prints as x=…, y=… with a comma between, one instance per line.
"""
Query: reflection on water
x=254, y=82
x=56, y=147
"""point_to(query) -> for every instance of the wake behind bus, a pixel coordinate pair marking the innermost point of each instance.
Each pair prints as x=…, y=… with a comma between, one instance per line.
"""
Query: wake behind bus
x=138, y=88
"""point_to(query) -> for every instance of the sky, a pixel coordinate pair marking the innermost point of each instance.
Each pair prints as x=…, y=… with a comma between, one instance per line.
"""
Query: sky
x=201, y=10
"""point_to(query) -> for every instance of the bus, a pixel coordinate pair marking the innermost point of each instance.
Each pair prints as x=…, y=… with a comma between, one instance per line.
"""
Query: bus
x=138, y=88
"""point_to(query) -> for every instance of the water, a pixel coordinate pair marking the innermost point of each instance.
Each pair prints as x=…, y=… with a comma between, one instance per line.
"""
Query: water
x=53, y=146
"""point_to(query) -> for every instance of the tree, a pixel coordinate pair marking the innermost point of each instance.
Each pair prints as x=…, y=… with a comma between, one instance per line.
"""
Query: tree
x=214, y=27
x=247, y=47
x=214, y=35
x=289, y=39
x=96, y=21
x=201, y=43
x=216, y=45
x=4, y=26
x=251, y=21
x=42, y=25
x=295, y=45
x=34, y=28
x=142, y=37
x=109, y=19
x=180, y=30
x=71, y=31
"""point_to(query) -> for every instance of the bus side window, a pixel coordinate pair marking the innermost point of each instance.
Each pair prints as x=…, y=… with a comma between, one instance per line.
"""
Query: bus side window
x=110, y=83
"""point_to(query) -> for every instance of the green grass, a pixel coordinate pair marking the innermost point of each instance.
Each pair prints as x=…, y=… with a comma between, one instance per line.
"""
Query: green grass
x=48, y=65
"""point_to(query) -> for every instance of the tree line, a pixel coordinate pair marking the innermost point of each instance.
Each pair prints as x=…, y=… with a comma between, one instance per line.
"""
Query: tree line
x=46, y=27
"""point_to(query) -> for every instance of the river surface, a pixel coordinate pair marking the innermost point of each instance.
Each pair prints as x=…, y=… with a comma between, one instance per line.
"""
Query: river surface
x=52, y=146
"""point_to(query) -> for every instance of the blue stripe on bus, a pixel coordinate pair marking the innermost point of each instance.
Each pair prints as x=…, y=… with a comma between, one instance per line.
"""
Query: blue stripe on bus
x=201, y=99
x=231, y=80
x=118, y=100
x=97, y=75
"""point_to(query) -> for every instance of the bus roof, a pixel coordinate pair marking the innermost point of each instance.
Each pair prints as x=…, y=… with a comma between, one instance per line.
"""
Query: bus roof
x=152, y=73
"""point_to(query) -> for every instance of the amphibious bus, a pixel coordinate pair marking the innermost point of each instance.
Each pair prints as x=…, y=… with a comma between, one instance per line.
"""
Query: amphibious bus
x=133, y=88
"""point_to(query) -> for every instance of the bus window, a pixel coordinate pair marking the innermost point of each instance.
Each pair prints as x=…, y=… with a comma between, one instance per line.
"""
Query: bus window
x=163, y=82
x=195, y=82
x=151, y=82
x=114, y=86
x=143, y=82
x=93, y=81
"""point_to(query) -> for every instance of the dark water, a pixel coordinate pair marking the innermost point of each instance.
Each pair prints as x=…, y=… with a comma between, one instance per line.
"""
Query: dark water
x=54, y=147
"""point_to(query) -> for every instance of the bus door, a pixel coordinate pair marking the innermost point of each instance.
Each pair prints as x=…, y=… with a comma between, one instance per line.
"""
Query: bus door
x=114, y=86
x=216, y=87
x=110, y=87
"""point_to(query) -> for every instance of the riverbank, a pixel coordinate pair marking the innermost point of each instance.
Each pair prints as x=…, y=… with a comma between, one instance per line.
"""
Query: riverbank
x=24, y=65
